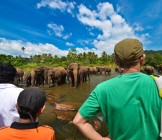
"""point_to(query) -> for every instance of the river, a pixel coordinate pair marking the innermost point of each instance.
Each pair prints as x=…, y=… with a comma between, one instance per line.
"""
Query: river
x=60, y=120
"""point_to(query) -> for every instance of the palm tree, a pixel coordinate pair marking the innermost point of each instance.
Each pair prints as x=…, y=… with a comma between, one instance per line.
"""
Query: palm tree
x=23, y=48
x=104, y=57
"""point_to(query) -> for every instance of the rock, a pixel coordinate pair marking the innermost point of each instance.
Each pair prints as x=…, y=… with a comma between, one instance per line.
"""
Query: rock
x=64, y=107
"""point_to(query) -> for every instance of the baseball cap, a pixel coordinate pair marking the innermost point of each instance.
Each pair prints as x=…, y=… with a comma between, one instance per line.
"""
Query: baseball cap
x=128, y=51
x=31, y=100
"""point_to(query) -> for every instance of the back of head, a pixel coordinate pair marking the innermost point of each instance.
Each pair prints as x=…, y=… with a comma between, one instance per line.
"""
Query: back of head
x=128, y=52
x=30, y=101
x=7, y=73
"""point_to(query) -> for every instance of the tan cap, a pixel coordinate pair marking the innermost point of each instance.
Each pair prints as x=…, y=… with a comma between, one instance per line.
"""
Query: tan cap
x=128, y=51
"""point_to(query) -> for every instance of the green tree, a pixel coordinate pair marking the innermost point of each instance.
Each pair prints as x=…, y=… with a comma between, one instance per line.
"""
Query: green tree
x=91, y=57
x=72, y=55
x=104, y=57
x=37, y=59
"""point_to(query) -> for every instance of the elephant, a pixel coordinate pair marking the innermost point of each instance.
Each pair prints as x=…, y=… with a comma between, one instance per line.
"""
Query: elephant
x=107, y=70
x=60, y=75
x=142, y=70
x=51, y=77
x=37, y=76
x=46, y=69
x=73, y=74
x=93, y=70
x=117, y=69
x=19, y=76
x=159, y=68
x=99, y=69
x=84, y=74
x=88, y=72
x=27, y=79
x=149, y=70
x=57, y=75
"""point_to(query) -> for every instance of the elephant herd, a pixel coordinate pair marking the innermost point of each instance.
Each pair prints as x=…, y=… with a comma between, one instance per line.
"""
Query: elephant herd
x=74, y=74
x=150, y=70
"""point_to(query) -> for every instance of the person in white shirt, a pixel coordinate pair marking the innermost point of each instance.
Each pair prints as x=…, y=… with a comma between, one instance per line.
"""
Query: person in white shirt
x=8, y=95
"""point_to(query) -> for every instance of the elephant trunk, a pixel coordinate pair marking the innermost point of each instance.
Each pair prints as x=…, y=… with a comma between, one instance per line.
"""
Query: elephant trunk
x=76, y=74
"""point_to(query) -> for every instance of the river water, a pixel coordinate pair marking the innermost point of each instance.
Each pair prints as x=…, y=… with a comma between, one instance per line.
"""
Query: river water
x=60, y=120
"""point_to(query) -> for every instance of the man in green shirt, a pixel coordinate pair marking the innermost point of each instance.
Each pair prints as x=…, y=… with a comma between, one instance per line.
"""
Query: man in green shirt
x=130, y=103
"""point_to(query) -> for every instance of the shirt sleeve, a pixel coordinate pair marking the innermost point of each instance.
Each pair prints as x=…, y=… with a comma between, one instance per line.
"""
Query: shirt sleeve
x=90, y=107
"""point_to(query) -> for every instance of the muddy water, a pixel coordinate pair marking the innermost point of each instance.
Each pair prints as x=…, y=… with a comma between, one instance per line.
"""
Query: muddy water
x=60, y=120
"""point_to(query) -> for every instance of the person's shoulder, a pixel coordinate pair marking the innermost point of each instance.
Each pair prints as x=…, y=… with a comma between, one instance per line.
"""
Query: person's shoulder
x=4, y=128
x=47, y=130
x=146, y=76
x=12, y=87
x=4, y=131
x=46, y=127
x=18, y=88
x=105, y=84
x=155, y=76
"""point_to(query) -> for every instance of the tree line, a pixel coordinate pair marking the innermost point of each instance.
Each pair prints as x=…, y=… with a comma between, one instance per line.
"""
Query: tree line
x=153, y=58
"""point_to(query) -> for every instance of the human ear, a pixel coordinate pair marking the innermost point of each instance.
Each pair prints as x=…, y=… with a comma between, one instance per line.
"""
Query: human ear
x=42, y=109
x=142, y=58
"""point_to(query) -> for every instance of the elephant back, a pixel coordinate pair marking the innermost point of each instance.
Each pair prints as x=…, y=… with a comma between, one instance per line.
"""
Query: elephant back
x=73, y=66
x=27, y=78
x=149, y=70
x=159, y=68
x=107, y=69
x=39, y=70
x=19, y=72
x=19, y=76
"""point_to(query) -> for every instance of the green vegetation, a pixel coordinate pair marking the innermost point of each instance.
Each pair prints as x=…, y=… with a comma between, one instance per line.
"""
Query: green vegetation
x=153, y=58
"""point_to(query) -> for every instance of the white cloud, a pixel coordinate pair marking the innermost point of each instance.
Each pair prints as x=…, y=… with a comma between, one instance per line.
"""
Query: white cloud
x=91, y=33
x=118, y=8
x=105, y=10
x=117, y=19
x=113, y=26
x=58, y=4
x=137, y=27
x=14, y=47
x=84, y=43
x=67, y=36
x=69, y=44
x=57, y=30
x=86, y=50
x=144, y=36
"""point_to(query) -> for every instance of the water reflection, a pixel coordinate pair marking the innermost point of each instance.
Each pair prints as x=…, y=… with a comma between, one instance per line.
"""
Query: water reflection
x=60, y=120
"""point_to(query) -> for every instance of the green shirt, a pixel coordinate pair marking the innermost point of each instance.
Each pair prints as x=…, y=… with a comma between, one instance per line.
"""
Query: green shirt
x=130, y=104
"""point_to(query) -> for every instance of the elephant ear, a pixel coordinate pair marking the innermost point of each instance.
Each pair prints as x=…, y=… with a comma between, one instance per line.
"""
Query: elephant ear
x=79, y=66
x=70, y=68
x=65, y=68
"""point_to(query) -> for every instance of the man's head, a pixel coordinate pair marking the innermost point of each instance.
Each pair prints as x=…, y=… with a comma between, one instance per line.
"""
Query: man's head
x=7, y=73
x=128, y=52
x=30, y=102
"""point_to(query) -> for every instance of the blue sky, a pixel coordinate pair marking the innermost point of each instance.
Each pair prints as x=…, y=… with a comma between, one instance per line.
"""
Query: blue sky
x=55, y=26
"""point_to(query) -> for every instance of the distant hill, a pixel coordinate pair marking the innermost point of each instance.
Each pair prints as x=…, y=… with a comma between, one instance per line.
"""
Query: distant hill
x=147, y=52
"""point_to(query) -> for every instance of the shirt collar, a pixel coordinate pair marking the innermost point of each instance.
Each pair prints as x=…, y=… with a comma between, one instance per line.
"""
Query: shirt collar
x=18, y=125
x=6, y=85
